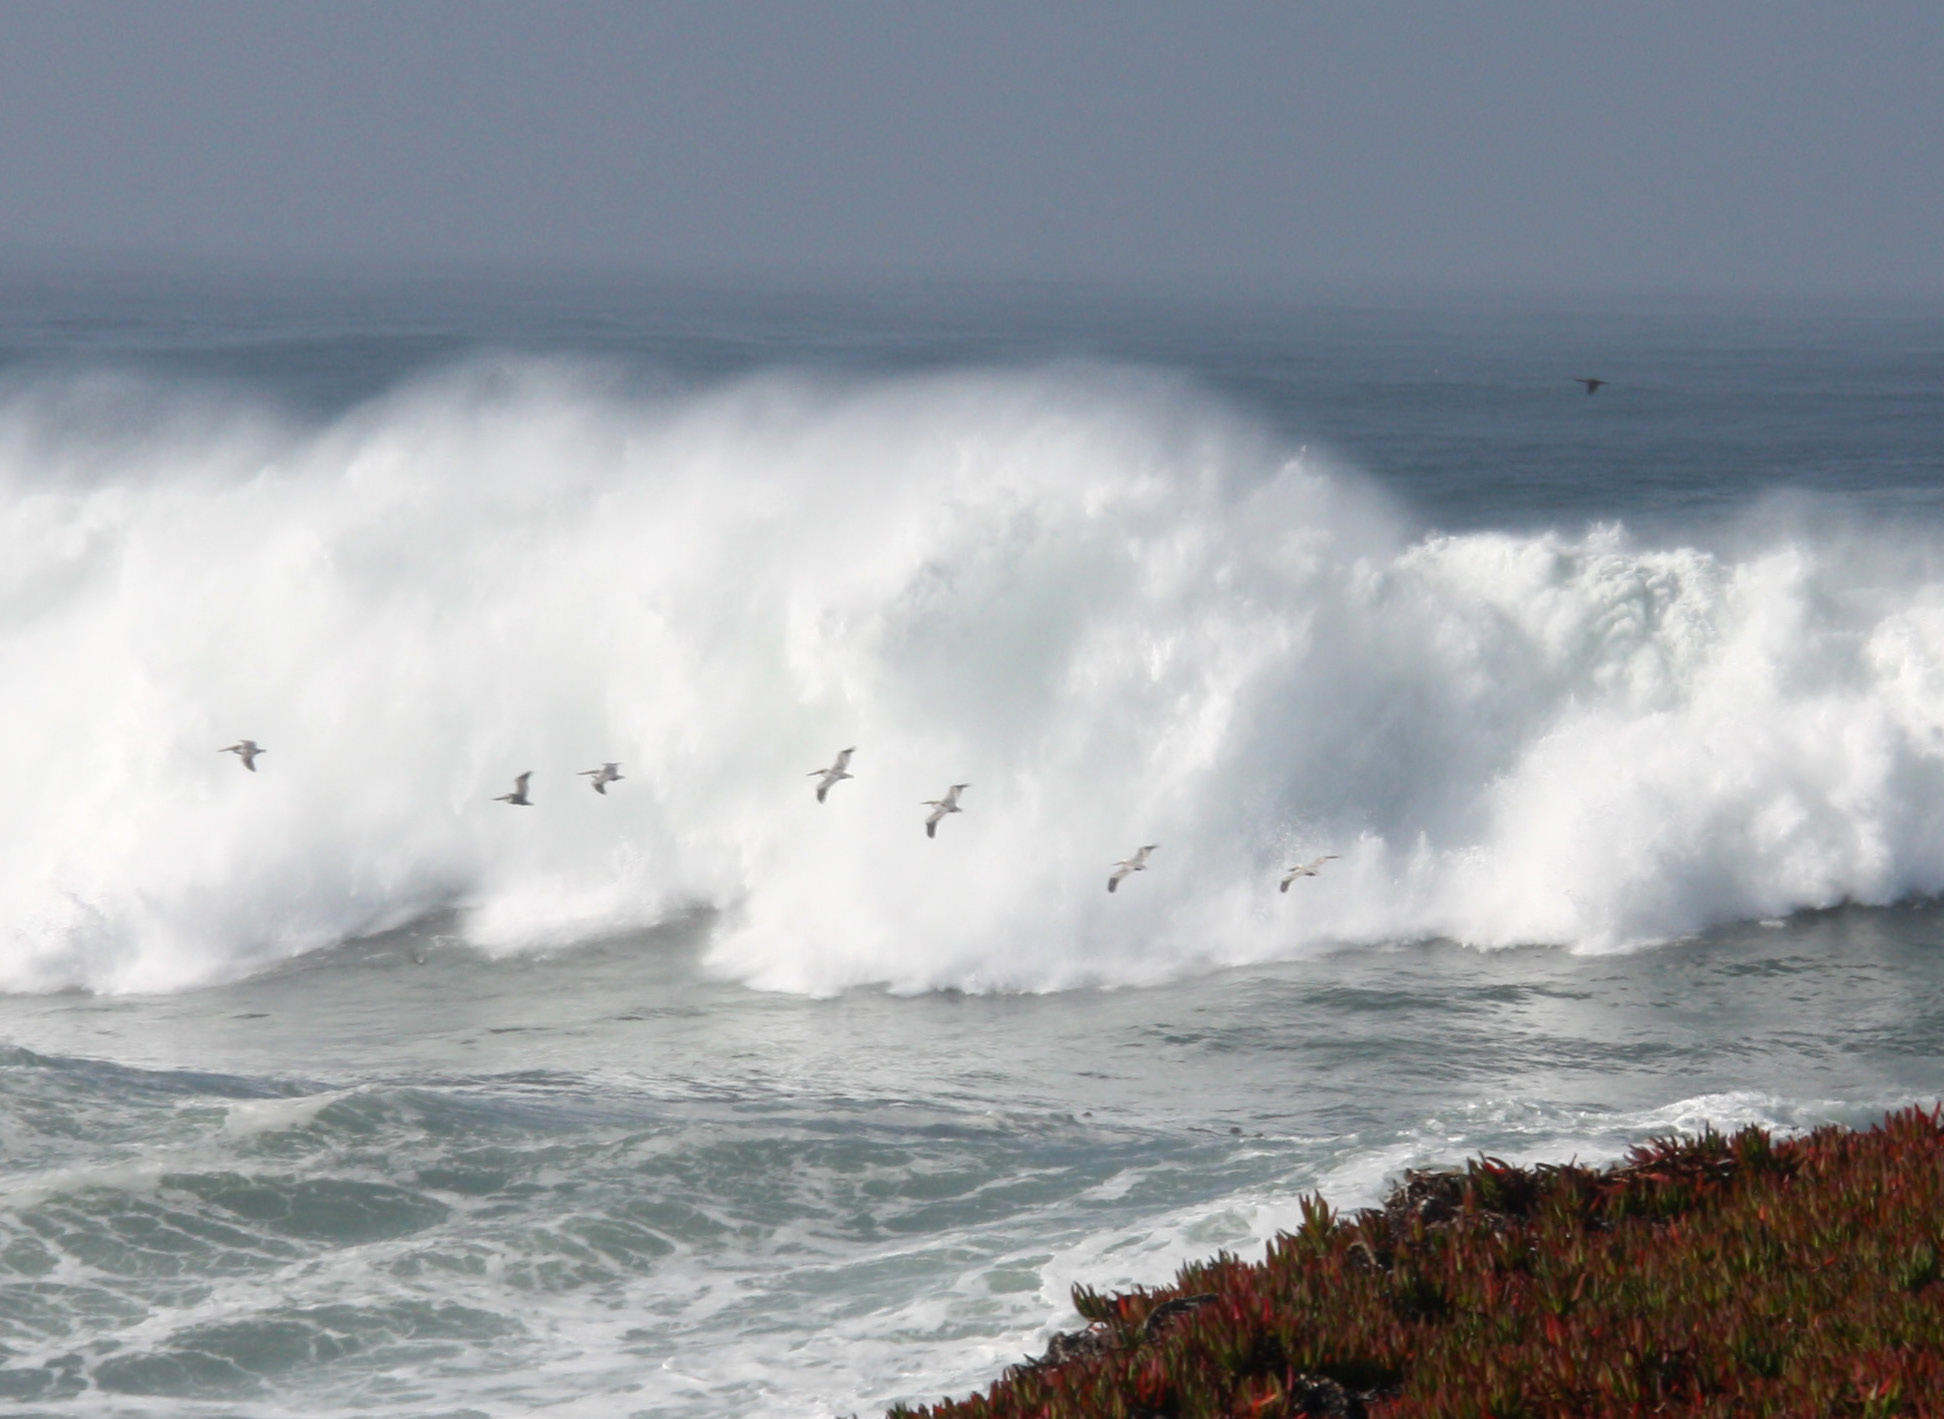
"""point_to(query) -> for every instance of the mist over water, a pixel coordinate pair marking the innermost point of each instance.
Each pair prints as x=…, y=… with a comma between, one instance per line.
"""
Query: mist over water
x=1119, y=607
x=340, y=1089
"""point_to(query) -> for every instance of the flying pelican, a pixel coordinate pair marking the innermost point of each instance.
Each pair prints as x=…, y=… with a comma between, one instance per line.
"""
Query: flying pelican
x=833, y=774
x=1592, y=385
x=247, y=751
x=1136, y=863
x=518, y=796
x=603, y=776
x=941, y=806
x=1305, y=869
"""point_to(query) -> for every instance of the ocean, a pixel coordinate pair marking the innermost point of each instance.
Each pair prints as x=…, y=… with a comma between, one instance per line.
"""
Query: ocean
x=338, y=1088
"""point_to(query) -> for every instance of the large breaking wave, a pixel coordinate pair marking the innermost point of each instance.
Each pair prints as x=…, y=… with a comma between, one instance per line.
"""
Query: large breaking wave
x=1122, y=611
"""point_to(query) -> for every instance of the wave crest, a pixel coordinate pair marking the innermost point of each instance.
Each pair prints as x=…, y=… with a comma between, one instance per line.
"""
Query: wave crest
x=1122, y=612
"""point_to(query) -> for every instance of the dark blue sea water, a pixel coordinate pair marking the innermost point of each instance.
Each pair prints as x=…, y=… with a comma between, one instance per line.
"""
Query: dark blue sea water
x=337, y=1087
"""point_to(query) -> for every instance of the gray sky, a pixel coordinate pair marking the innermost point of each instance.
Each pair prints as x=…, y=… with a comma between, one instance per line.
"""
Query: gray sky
x=1712, y=145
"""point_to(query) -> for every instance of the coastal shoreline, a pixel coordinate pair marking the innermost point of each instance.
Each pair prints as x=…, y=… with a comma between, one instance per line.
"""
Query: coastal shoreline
x=1715, y=1274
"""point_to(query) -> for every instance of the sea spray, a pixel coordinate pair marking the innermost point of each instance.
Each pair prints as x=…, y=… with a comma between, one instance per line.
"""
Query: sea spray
x=1122, y=610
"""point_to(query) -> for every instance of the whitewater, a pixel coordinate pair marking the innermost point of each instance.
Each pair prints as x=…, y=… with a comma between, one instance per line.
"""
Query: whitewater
x=1110, y=603
x=339, y=1088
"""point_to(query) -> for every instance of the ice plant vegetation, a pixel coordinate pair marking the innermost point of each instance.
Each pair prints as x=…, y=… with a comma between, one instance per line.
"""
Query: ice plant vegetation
x=1718, y=1275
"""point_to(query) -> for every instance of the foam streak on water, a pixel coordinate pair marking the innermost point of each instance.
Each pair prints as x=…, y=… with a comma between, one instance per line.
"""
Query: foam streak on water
x=1121, y=611
x=402, y=1179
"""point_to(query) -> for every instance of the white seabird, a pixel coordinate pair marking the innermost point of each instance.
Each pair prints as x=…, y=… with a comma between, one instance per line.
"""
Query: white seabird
x=603, y=776
x=832, y=775
x=1304, y=869
x=941, y=806
x=1136, y=863
x=518, y=797
x=246, y=750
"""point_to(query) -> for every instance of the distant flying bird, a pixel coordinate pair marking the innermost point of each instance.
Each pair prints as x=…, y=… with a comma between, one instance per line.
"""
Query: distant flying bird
x=518, y=797
x=941, y=806
x=1136, y=863
x=833, y=774
x=1592, y=385
x=1305, y=869
x=246, y=750
x=603, y=776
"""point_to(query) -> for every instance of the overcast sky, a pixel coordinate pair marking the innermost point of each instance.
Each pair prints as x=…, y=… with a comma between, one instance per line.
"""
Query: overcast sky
x=1711, y=145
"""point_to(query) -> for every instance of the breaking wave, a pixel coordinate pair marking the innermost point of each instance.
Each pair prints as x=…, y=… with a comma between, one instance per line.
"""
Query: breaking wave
x=1119, y=609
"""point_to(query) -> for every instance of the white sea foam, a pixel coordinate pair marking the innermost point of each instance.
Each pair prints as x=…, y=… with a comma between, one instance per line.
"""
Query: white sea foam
x=1120, y=611
x=251, y=1118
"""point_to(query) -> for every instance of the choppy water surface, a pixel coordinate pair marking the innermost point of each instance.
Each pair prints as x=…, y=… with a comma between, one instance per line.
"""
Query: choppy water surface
x=340, y=1089
x=399, y=1179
